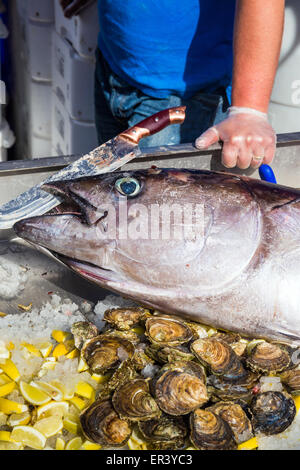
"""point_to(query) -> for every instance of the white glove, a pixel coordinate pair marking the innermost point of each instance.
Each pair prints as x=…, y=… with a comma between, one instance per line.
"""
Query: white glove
x=248, y=138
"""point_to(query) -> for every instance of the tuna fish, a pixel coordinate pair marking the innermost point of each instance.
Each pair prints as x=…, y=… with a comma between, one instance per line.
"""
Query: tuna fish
x=242, y=274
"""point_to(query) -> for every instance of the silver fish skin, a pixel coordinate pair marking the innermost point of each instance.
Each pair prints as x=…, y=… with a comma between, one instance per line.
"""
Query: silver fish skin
x=242, y=274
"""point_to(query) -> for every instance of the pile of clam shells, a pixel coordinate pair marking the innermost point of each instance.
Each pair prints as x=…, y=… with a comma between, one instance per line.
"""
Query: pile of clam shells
x=206, y=389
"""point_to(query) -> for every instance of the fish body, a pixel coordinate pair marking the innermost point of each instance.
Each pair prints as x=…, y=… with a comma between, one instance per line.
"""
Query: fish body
x=238, y=269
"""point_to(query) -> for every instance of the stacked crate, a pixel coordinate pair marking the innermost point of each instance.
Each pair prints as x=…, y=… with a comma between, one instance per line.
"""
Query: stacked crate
x=73, y=65
x=53, y=67
x=32, y=23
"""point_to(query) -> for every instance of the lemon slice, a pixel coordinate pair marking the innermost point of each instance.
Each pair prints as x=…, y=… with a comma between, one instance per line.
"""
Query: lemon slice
x=7, y=388
x=60, y=444
x=8, y=406
x=74, y=444
x=84, y=389
x=11, y=370
x=49, y=426
x=28, y=436
x=88, y=445
x=19, y=419
x=52, y=391
x=53, y=408
x=33, y=394
x=4, y=352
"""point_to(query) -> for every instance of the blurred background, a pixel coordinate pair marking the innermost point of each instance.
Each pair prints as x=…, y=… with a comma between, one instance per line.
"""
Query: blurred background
x=47, y=65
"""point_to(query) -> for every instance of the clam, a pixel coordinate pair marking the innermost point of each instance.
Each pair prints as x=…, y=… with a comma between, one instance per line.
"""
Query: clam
x=82, y=331
x=133, y=401
x=103, y=353
x=235, y=416
x=268, y=358
x=210, y=432
x=219, y=357
x=168, y=331
x=125, y=318
x=273, y=412
x=180, y=387
x=291, y=379
x=164, y=433
x=101, y=424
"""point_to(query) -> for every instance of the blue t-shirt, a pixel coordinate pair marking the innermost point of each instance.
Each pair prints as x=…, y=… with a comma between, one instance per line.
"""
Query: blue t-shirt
x=165, y=47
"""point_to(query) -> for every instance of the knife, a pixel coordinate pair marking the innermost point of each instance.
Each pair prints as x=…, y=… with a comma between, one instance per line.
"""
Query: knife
x=106, y=158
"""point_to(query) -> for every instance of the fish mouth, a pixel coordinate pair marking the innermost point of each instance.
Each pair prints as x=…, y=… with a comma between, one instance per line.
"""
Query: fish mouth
x=87, y=270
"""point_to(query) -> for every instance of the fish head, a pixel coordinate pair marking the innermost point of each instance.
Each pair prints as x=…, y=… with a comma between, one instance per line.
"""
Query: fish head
x=147, y=231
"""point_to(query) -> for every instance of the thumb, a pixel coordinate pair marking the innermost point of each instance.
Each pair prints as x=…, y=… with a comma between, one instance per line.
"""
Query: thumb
x=209, y=137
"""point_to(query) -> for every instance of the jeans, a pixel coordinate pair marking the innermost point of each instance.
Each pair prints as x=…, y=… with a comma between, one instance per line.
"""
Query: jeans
x=119, y=105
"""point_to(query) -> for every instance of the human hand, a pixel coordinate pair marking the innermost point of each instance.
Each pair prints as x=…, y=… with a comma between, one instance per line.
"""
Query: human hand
x=248, y=138
x=73, y=7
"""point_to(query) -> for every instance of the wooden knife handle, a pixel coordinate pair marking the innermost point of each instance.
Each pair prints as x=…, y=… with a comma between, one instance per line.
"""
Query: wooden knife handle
x=154, y=123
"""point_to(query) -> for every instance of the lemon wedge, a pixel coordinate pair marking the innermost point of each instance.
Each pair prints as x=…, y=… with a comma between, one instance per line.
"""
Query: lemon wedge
x=297, y=403
x=5, y=436
x=45, y=348
x=74, y=444
x=72, y=354
x=59, y=350
x=4, y=379
x=70, y=424
x=251, y=444
x=7, y=388
x=8, y=406
x=84, y=389
x=82, y=365
x=19, y=419
x=78, y=403
x=60, y=444
x=67, y=394
x=88, y=445
x=32, y=349
x=101, y=378
x=28, y=436
x=10, y=445
x=53, y=408
x=60, y=336
x=52, y=391
x=49, y=426
x=33, y=394
x=10, y=369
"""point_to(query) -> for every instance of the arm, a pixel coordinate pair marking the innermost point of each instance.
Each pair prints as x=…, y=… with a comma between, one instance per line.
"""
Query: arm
x=73, y=7
x=246, y=133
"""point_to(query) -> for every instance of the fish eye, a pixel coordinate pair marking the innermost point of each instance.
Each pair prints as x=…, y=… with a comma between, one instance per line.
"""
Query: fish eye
x=128, y=186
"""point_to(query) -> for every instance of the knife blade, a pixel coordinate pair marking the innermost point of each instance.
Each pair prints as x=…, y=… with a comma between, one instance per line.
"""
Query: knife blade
x=106, y=158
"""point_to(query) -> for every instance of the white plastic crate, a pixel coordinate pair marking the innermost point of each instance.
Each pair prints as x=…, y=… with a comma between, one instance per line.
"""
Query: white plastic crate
x=70, y=136
x=73, y=79
x=39, y=147
x=39, y=95
x=40, y=10
x=81, y=30
x=39, y=49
